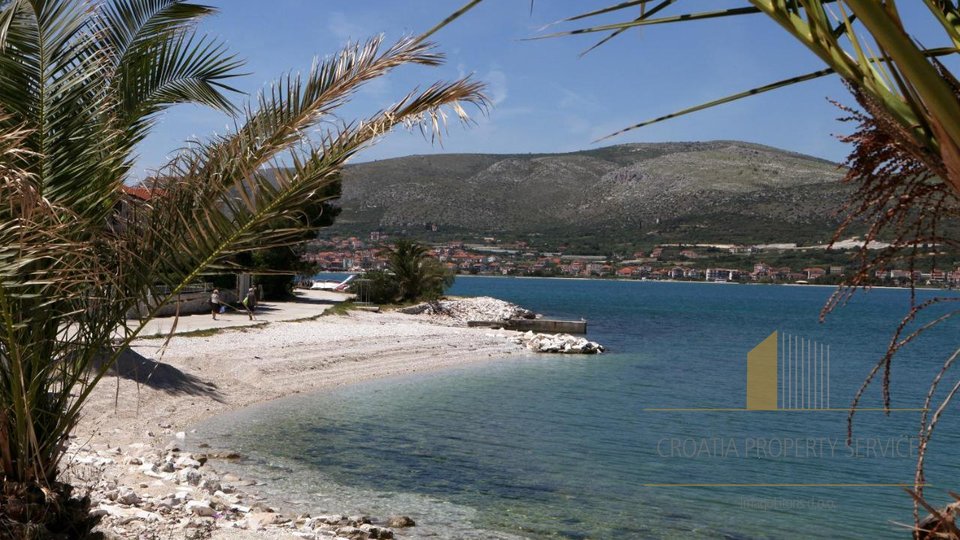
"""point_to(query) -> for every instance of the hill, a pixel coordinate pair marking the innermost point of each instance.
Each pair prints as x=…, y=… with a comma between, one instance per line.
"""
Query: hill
x=631, y=194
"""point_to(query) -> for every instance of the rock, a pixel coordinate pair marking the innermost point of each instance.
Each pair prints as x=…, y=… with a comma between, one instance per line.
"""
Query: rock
x=209, y=485
x=374, y=531
x=189, y=476
x=127, y=514
x=186, y=461
x=400, y=522
x=167, y=504
x=561, y=343
x=200, y=508
x=332, y=519
x=98, y=512
x=461, y=311
x=262, y=519
x=261, y=507
x=180, y=435
x=224, y=455
x=356, y=521
x=127, y=496
x=353, y=533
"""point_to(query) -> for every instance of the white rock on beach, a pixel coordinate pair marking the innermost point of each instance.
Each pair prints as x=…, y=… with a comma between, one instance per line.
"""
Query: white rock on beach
x=200, y=508
x=559, y=343
x=460, y=312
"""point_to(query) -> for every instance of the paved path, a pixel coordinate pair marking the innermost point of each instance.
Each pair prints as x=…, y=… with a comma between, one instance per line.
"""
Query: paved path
x=308, y=304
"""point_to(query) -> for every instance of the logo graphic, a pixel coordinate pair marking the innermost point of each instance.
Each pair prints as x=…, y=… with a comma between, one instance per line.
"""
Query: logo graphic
x=786, y=372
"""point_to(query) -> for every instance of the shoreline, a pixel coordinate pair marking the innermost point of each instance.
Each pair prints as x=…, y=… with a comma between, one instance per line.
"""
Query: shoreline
x=618, y=280
x=144, y=416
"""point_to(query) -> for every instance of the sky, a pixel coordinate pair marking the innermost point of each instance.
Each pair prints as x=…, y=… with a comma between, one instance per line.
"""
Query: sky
x=545, y=97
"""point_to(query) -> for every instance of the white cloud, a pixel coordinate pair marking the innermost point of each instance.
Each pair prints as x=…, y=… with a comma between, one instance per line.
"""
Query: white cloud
x=341, y=28
x=496, y=86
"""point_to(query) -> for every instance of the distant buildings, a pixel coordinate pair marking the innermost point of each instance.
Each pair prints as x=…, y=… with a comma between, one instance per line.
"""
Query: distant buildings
x=677, y=263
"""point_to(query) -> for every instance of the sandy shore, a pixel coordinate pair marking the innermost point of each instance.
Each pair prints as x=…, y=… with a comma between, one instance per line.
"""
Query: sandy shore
x=132, y=423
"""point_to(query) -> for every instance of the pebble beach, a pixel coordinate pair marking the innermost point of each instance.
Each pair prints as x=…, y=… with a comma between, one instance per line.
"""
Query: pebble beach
x=128, y=452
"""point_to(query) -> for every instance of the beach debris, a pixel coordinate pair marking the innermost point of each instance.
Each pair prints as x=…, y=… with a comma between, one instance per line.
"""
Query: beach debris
x=461, y=311
x=558, y=343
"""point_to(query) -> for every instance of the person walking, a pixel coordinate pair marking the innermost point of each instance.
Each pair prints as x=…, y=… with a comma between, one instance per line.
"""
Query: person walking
x=250, y=302
x=215, y=303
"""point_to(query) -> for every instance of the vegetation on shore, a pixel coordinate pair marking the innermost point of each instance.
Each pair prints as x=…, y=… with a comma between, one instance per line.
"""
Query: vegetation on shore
x=81, y=84
x=412, y=275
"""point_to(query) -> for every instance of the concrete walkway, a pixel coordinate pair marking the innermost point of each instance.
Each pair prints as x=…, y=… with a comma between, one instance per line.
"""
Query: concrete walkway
x=308, y=304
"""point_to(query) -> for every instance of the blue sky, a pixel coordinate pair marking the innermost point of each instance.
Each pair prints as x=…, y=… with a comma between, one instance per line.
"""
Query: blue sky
x=546, y=98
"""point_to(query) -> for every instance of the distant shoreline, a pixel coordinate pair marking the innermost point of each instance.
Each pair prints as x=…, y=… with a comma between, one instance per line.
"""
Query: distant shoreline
x=820, y=285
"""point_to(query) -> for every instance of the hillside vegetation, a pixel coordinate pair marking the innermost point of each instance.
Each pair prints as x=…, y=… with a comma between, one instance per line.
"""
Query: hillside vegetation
x=719, y=191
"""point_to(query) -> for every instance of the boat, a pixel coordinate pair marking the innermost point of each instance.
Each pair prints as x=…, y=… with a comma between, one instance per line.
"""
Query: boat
x=332, y=285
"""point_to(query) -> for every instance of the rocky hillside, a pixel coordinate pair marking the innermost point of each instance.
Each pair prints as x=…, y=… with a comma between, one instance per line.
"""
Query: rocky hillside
x=710, y=191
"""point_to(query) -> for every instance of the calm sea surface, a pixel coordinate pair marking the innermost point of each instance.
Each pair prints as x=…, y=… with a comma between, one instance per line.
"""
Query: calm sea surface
x=571, y=447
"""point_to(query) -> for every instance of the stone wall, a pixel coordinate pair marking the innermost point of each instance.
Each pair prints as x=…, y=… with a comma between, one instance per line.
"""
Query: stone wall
x=189, y=303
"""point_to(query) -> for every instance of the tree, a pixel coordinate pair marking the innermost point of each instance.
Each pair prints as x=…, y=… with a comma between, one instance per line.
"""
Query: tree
x=277, y=267
x=81, y=84
x=416, y=274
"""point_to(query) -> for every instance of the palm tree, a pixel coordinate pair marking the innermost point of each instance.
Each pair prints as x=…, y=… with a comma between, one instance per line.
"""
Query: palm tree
x=81, y=83
x=417, y=274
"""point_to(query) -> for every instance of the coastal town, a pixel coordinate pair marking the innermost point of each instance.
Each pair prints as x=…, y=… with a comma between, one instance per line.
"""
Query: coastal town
x=682, y=262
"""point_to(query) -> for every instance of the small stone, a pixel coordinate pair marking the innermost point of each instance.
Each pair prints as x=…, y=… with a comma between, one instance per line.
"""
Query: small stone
x=262, y=519
x=224, y=455
x=261, y=507
x=376, y=532
x=180, y=435
x=400, y=522
x=331, y=519
x=186, y=461
x=353, y=533
x=208, y=485
x=356, y=521
x=200, y=508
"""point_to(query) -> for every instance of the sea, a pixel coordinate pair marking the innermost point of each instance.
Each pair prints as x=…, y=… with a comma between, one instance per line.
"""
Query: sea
x=651, y=439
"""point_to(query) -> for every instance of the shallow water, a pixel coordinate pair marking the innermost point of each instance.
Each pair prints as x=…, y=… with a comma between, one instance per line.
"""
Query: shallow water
x=569, y=447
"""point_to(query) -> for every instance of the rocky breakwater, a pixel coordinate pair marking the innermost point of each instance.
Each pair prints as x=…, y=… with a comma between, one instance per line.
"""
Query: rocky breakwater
x=461, y=311
x=558, y=343
x=141, y=492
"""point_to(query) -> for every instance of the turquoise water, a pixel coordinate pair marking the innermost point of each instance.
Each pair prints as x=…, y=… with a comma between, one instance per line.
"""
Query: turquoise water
x=568, y=447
